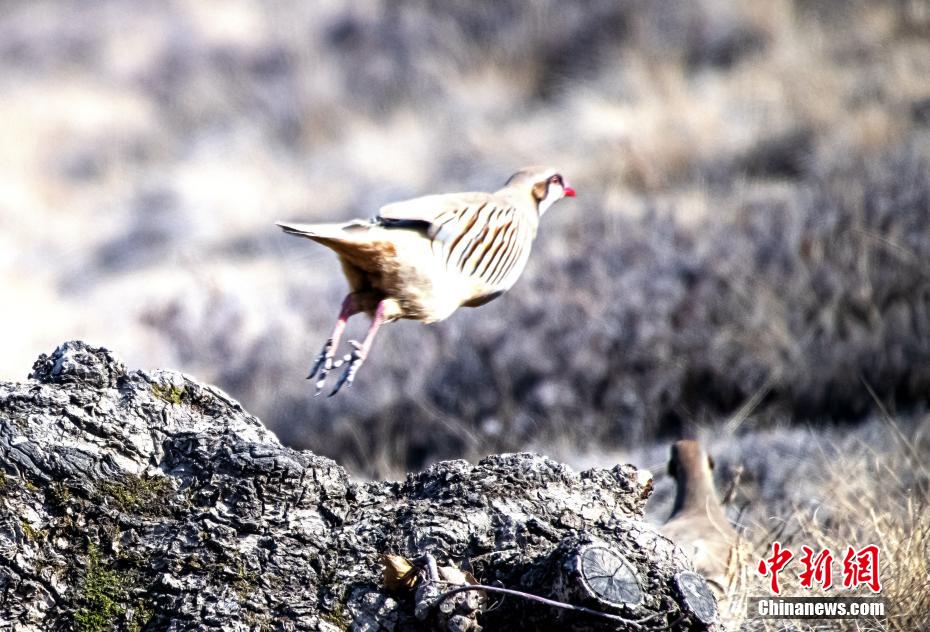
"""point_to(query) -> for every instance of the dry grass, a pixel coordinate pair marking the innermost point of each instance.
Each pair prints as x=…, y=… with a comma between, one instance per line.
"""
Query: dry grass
x=867, y=495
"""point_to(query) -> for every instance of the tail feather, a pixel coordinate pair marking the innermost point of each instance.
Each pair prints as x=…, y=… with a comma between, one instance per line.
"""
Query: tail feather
x=350, y=240
x=350, y=231
x=362, y=244
x=312, y=230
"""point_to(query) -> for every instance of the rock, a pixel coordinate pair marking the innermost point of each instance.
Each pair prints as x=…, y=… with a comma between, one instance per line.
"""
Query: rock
x=136, y=500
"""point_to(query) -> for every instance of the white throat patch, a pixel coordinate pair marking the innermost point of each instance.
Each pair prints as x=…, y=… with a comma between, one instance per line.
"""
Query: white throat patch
x=555, y=193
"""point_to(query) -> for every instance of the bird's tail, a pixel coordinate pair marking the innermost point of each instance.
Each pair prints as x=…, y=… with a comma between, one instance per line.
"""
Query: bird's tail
x=350, y=239
x=349, y=232
x=314, y=230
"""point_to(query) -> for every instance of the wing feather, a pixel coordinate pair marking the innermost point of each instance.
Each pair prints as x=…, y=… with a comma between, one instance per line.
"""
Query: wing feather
x=437, y=214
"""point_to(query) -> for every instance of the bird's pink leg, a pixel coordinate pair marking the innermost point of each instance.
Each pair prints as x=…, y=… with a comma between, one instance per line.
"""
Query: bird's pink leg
x=324, y=361
x=360, y=350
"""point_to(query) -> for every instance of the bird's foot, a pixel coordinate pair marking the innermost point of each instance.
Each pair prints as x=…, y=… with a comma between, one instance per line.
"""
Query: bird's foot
x=323, y=364
x=353, y=361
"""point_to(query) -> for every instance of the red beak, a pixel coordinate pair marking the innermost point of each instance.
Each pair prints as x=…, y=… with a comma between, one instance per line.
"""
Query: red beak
x=569, y=192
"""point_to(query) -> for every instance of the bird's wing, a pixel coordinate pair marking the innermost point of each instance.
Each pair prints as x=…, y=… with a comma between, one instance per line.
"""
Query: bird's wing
x=480, y=237
x=438, y=215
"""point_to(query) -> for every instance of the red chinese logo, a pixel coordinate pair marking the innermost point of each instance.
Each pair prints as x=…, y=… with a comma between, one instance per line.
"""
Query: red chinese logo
x=860, y=568
x=819, y=569
x=780, y=557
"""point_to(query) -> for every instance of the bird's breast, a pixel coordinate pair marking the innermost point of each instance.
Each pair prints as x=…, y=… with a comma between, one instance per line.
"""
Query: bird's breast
x=407, y=272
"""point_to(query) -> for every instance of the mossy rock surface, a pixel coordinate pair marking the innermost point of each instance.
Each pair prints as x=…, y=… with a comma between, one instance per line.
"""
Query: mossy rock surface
x=145, y=500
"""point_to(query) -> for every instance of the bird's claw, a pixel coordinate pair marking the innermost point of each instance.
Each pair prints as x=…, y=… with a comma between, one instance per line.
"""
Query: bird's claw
x=323, y=364
x=321, y=359
x=326, y=361
x=354, y=362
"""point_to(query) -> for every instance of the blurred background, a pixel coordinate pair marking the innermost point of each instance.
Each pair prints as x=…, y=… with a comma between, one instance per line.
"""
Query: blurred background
x=747, y=260
x=748, y=250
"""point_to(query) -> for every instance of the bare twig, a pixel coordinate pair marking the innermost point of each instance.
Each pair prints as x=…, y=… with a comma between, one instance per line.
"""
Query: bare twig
x=734, y=484
x=907, y=445
x=636, y=625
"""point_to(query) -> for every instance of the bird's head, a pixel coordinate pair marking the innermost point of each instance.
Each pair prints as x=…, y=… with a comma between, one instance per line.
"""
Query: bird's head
x=689, y=461
x=545, y=185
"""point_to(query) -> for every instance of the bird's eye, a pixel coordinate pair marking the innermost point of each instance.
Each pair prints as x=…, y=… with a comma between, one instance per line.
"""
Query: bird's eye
x=556, y=179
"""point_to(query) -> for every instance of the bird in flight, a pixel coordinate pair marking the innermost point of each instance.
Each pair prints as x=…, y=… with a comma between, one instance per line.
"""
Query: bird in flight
x=424, y=258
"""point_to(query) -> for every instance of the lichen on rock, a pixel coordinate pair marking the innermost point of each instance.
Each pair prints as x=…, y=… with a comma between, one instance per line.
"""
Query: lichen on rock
x=145, y=500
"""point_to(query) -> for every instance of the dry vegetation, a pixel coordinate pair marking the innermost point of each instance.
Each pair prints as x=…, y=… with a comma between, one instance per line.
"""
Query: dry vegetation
x=749, y=246
x=824, y=488
x=876, y=496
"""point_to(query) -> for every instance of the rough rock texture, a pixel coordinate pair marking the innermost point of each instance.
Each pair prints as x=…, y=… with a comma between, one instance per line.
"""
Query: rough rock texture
x=137, y=500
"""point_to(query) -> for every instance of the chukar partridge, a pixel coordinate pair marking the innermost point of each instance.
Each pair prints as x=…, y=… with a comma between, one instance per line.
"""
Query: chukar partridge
x=424, y=258
x=698, y=524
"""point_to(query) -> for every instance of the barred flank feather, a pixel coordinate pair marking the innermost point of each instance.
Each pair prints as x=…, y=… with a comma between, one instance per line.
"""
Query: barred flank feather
x=484, y=243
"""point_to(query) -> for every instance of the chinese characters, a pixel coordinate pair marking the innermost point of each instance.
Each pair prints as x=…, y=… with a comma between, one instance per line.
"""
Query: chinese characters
x=860, y=567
